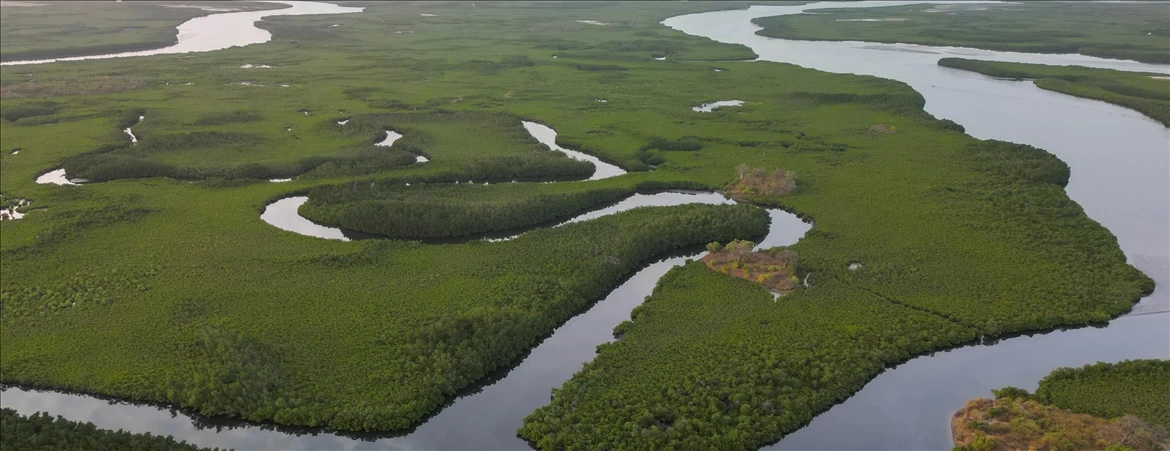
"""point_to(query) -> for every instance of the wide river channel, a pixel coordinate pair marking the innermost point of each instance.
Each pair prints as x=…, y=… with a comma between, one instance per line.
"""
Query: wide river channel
x=1119, y=159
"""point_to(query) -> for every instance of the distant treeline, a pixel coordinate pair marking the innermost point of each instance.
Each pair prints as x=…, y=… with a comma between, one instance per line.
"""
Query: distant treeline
x=1137, y=91
x=1111, y=390
x=42, y=432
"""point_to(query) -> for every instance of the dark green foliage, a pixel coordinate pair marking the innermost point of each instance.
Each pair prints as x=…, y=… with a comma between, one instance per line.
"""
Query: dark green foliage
x=981, y=67
x=379, y=334
x=437, y=211
x=105, y=166
x=560, y=44
x=1012, y=392
x=369, y=160
x=1131, y=31
x=40, y=431
x=661, y=47
x=28, y=110
x=649, y=158
x=1017, y=162
x=598, y=67
x=517, y=61
x=653, y=185
x=1112, y=390
x=909, y=103
x=232, y=375
x=480, y=66
x=670, y=382
x=536, y=166
x=453, y=349
x=947, y=124
x=195, y=140
x=684, y=144
x=234, y=117
x=389, y=104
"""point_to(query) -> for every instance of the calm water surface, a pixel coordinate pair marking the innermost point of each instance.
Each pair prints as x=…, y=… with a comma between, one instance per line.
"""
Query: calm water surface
x=1119, y=160
x=217, y=31
x=484, y=417
x=1119, y=163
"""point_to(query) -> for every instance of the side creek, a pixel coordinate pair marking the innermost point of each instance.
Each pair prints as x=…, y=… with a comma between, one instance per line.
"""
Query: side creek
x=216, y=31
x=485, y=416
x=1119, y=161
x=907, y=407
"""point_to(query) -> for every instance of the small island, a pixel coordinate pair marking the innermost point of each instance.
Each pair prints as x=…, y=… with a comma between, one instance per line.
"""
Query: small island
x=773, y=268
x=759, y=182
x=1114, y=407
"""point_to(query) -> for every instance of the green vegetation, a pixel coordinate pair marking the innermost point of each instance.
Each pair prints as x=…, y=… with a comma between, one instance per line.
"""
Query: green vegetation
x=42, y=30
x=28, y=110
x=484, y=146
x=1111, y=390
x=171, y=289
x=1142, y=92
x=1132, y=31
x=671, y=382
x=40, y=431
x=437, y=211
x=1121, y=406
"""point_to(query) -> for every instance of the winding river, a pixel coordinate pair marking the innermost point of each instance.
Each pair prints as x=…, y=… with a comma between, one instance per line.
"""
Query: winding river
x=1119, y=162
x=217, y=31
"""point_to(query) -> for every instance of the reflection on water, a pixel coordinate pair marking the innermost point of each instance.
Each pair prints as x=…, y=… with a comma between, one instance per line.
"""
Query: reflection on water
x=133, y=139
x=907, y=407
x=218, y=31
x=547, y=136
x=391, y=136
x=484, y=417
x=11, y=212
x=709, y=107
x=283, y=214
x=1119, y=164
x=55, y=177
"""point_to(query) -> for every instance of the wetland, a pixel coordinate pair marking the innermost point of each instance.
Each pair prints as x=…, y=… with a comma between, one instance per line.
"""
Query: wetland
x=166, y=283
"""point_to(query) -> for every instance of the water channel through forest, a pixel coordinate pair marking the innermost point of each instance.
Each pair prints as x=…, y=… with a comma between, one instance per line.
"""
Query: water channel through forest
x=1119, y=161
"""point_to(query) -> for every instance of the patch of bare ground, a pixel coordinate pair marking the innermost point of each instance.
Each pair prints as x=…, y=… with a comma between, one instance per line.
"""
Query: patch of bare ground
x=759, y=183
x=773, y=268
x=884, y=129
x=1015, y=424
x=53, y=88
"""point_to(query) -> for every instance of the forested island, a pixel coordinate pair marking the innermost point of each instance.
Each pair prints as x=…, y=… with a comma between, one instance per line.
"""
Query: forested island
x=1117, y=407
x=1135, y=32
x=157, y=281
x=773, y=268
